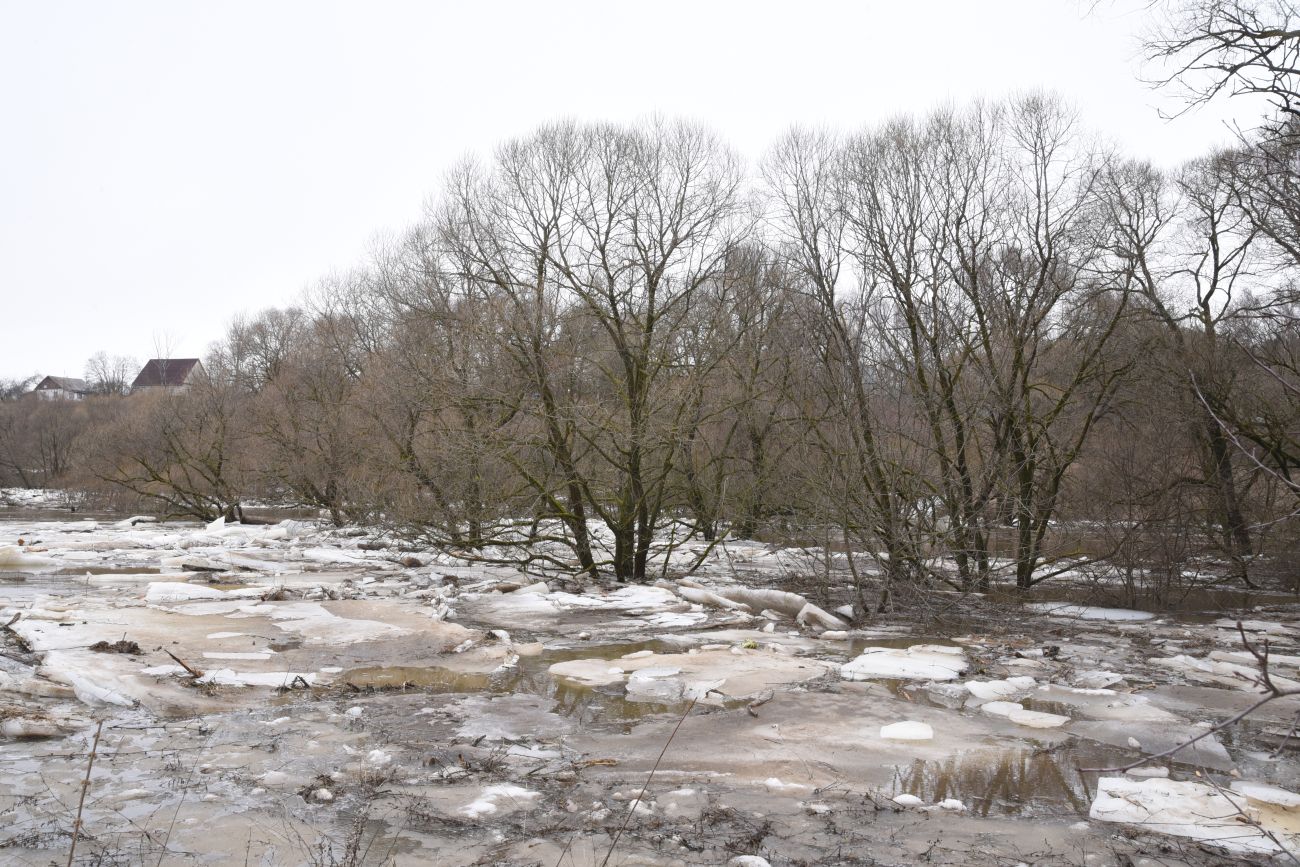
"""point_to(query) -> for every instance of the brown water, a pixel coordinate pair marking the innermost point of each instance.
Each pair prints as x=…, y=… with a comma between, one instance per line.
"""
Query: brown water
x=1187, y=604
x=529, y=676
x=82, y=571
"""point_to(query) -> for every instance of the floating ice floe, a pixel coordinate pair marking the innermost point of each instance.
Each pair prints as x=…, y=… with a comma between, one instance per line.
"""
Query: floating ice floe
x=1088, y=612
x=272, y=679
x=776, y=784
x=318, y=625
x=700, y=596
x=666, y=685
x=1221, y=672
x=1105, y=704
x=761, y=599
x=704, y=675
x=493, y=798
x=1250, y=819
x=166, y=592
x=1096, y=679
x=1037, y=719
x=907, y=731
x=997, y=690
x=1267, y=627
x=129, y=578
x=1016, y=713
x=26, y=683
x=14, y=557
x=918, y=662
x=1242, y=657
x=92, y=685
x=671, y=619
x=812, y=617
x=539, y=587
x=21, y=724
x=128, y=523
x=192, y=563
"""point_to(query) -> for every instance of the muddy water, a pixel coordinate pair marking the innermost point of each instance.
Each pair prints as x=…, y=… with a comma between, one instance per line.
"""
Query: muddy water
x=20, y=588
x=1191, y=605
x=529, y=676
x=403, y=750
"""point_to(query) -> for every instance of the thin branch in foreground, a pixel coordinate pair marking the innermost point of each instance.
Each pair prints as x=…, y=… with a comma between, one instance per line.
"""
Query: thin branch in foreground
x=1264, y=680
x=85, y=785
x=641, y=795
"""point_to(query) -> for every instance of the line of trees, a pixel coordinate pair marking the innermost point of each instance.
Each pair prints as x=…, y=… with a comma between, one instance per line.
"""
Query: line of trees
x=947, y=343
x=962, y=346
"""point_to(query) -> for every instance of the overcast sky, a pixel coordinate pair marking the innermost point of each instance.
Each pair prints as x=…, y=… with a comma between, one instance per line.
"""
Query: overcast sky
x=165, y=166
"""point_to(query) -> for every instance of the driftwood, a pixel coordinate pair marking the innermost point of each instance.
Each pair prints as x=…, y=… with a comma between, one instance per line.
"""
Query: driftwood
x=22, y=642
x=194, y=672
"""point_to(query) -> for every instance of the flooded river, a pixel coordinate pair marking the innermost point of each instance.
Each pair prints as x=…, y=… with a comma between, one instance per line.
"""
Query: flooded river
x=285, y=694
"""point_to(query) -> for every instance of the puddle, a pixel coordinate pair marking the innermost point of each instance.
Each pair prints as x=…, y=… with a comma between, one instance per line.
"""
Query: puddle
x=1021, y=782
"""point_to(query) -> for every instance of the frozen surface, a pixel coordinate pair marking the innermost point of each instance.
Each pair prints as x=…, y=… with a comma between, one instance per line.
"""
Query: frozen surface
x=294, y=678
x=1240, y=825
x=919, y=662
x=907, y=731
x=1084, y=612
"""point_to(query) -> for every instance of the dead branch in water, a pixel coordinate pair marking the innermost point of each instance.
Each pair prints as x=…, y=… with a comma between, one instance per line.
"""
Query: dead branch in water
x=194, y=672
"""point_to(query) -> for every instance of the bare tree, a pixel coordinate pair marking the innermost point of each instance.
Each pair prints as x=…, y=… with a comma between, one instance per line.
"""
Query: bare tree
x=1193, y=255
x=803, y=174
x=599, y=237
x=13, y=389
x=184, y=451
x=110, y=375
x=1214, y=48
x=956, y=263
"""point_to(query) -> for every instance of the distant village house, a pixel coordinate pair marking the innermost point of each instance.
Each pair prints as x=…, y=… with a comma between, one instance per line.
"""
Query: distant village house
x=61, y=388
x=171, y=374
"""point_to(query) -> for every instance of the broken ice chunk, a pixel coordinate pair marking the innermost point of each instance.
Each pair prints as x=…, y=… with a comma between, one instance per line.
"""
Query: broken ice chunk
x=919, y=662
x=996, y=690
x=1201, y=812
x=909, y=730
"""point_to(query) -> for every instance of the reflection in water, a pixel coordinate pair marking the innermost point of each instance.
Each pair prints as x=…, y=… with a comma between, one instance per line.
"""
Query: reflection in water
x=1028, y=781
x=1188, y=602
x=107, y=570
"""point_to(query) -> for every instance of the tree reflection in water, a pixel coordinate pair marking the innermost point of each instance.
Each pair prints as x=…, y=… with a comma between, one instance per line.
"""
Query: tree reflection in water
x=1025, y=781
